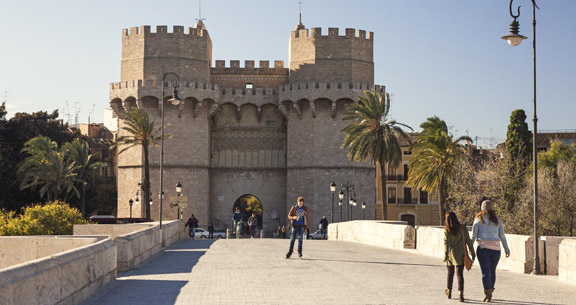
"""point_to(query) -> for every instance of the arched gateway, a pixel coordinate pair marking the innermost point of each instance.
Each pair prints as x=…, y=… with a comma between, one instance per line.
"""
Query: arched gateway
x=249, y=204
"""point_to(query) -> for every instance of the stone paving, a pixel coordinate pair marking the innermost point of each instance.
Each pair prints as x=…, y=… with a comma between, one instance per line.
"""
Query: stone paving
x=255, y=271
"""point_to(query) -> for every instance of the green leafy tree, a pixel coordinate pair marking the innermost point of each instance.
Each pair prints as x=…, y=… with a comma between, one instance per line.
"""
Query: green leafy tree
x=518, y=148
x=55, y=218
x=557, y=152
x=14, y=133
x=86, y=165
x=141, y=132
x=374, y=137
x=48, y=169
x=436, y=156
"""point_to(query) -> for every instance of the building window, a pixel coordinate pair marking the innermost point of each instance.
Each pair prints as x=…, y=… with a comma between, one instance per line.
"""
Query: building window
x=105, y=154
x=407, y=195
x=405, y=171
x=105, y=171
x=407, y=152
x=391, y=195
x=423, y=196
x=391, y=173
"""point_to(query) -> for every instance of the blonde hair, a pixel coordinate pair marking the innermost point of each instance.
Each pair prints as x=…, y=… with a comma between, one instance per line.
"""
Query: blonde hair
x=300, y=199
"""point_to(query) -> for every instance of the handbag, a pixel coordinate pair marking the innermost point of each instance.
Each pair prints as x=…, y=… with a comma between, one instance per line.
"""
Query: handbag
x=467, y=260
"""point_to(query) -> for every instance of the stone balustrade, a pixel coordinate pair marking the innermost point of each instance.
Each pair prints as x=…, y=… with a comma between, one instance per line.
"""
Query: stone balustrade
x=67, y=277
x=388, y=234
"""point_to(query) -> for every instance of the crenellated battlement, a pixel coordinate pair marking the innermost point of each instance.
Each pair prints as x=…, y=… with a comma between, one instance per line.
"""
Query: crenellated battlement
x=331, y=86
x=163, y=30
x=140, y=84
x=333, y=33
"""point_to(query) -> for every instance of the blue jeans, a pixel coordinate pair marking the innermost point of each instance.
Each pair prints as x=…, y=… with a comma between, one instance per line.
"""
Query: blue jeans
x=192, y=232
x=488, y=260
x=296, y=230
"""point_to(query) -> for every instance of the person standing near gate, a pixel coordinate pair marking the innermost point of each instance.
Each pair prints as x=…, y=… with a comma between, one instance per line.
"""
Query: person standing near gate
x=324, y=227
x=192, y=224
x=237, y=218
x=299, y=217
x=252, y=222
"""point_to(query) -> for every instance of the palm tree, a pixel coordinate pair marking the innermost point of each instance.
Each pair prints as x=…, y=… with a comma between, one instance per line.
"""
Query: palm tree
x=374, y=137
x=86, y=166
x=141, y=132
x=48, y=168
x=435, y=158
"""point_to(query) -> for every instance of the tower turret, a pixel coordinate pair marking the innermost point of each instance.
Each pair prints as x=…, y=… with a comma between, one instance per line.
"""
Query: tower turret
x=147, y=55
x=331, y=58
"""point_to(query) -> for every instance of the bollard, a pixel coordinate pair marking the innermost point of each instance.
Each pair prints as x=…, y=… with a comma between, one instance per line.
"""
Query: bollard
x=227, y=233
x=261, y=233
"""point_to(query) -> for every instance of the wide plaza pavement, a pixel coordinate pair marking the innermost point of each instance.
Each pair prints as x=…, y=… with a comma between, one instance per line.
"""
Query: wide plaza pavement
x=254, y=271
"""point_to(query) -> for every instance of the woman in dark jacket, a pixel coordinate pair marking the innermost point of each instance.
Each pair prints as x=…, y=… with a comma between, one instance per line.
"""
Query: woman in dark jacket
x=454, y=247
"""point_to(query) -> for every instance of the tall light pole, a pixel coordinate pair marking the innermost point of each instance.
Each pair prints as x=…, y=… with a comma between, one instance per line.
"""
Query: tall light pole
x=175, y=101
x=130, y=202
x=515, y=39
x=332, y=190
x=350, y=203
x=349, y=188
x=179, y=194
x=340, y=198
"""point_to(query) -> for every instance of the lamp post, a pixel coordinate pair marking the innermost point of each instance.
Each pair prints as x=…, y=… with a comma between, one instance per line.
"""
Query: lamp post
x=340, y=198
x=363, y=210
x=515, y=39
x=130, y=202
x=179, y=194
x=349, y=188
x=332, y=190
x=350, y=203
x=175, y=101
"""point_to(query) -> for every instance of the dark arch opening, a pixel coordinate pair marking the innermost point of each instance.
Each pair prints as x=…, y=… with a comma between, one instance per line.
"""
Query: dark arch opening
x=249, y=204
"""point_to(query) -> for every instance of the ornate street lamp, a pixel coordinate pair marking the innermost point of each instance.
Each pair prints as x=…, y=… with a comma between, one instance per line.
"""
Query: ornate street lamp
x=175, y=101
x=349, y=188
x=332, y=190
x=179, y=194
x=363, y=210
x=130, y=202
x=350, y=203
x=340, y=198
x=515, y=39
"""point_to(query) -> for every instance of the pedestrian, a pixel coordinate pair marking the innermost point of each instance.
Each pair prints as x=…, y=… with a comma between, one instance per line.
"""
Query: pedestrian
x=324, y=227
x=211, y=230
x=456, y=238
x=283, y=231
x=488, y=230
x=279, y=232
x=192, y=224
x=299, y=217
x=237, y=218
x=252, y=222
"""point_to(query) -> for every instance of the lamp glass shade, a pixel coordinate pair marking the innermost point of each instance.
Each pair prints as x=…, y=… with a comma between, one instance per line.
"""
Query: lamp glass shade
x=130, y=202
x=514, y=39
x=175, y=101
x=363, y=205
x=151, y=202
x=339, y=202
x=137, y=199
x=178, y=188
x=350, y=201
x=332, y=187
x=341, y=195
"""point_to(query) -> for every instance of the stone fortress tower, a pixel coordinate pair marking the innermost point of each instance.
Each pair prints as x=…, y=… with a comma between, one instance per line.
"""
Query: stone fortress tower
x=268, y=131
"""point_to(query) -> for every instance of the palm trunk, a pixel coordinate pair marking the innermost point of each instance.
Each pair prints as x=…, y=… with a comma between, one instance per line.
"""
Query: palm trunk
x=382, y=181
x=146, y=187
x=442, y=210
x=83, y=201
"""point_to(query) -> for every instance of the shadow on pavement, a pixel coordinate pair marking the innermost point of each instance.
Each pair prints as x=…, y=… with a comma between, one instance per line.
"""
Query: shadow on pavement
x=138, y=292
x=508, y=302
x=379, y=263
x=179, y=258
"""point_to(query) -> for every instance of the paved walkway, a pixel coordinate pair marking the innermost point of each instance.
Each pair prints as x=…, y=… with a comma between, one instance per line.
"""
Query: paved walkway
x=255, y=272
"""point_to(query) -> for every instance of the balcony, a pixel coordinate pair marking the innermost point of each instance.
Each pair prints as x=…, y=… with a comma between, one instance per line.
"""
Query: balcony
x=396, y=178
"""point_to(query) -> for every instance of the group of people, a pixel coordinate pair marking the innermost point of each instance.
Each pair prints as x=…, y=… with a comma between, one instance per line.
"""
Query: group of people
x=192, y=224
x=488, y=231
x=238, y=226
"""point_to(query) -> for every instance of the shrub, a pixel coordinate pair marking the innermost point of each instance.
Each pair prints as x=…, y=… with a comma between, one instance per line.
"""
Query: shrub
x=55, y=218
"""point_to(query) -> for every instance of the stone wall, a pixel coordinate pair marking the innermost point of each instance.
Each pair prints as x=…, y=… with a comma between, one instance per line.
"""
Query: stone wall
x=567, y=261
x=19, y=249
x=388, y=234
x=67, y=277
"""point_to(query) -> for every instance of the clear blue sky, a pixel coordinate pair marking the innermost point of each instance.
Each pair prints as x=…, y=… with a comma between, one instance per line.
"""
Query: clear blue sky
x=441, y=58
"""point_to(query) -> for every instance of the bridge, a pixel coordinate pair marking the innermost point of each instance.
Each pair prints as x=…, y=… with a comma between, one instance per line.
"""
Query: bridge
x=255, y=271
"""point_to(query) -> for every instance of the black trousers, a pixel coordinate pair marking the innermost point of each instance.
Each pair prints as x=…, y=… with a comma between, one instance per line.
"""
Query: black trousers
x=460, y=273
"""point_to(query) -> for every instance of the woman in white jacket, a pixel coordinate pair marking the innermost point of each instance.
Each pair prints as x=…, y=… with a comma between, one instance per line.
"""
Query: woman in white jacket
x=488, y=230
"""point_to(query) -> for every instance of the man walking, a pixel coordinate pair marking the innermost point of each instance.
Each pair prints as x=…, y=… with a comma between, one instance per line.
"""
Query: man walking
x=324, y=227
x=299, y=217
